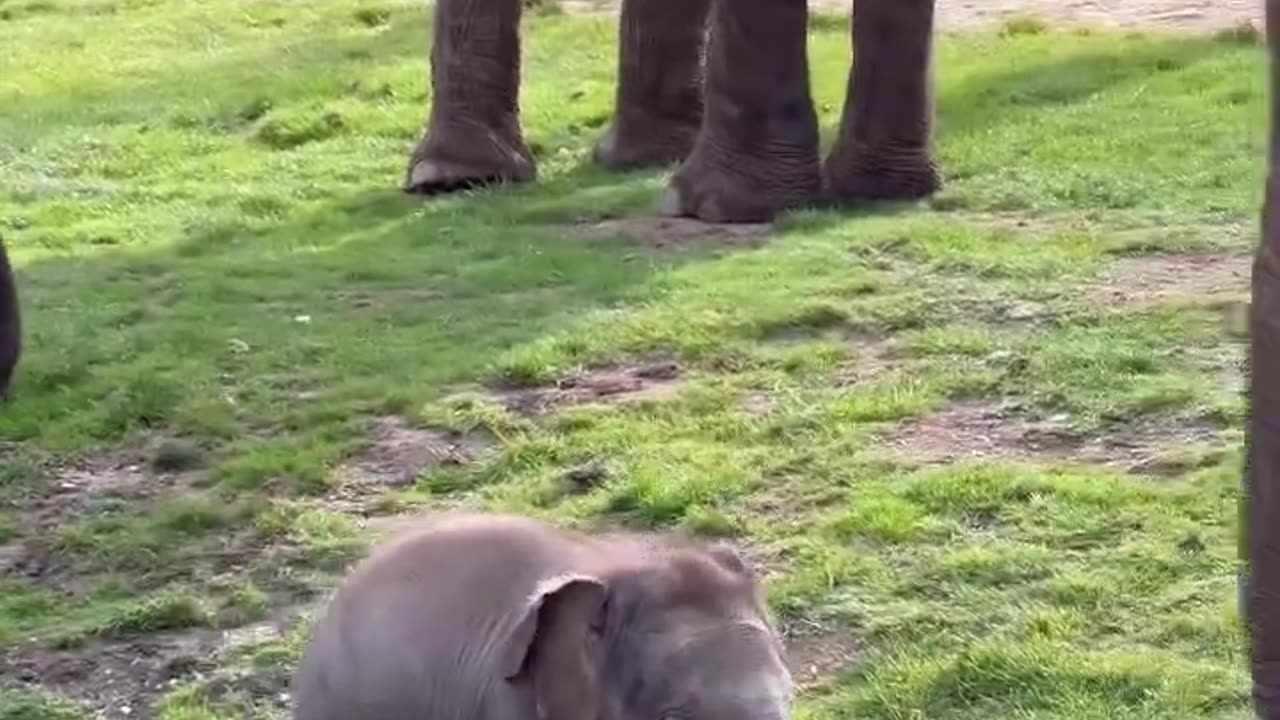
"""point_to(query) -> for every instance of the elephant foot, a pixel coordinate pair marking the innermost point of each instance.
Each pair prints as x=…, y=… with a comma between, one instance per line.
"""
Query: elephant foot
x=638, y=143
x=715, y=194
x=449, y=164
x=756, y=155
x=862, y=174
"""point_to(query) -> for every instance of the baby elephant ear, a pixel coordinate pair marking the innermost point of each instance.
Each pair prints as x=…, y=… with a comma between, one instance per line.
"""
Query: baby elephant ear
x=554, y=627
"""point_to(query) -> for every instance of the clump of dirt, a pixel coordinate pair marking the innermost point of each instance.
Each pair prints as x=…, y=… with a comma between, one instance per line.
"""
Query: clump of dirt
x=983, y=431
x=1178, y=279
x=676, y=232
x=652, y=381
x=817, y=654
x=398, y=453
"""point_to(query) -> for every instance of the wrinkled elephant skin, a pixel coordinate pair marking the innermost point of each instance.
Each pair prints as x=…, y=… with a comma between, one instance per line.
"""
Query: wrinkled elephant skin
x=1260, y=499
x=659, y=100
x=474, y=135
x=743, y=128
x=758, y=149
x=490, y=617
x=882, y=151
x=10, y=323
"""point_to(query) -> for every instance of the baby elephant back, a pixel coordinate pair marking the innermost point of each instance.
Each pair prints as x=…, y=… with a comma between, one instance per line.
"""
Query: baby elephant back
x=422, y=626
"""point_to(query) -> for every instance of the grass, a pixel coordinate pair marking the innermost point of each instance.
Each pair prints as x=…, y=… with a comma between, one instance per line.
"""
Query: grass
x=224, y=291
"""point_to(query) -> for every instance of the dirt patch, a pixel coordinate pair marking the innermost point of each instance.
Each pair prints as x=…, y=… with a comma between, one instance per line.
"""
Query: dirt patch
x=817, y=654
x=1182, y=279
x=398, y=453
x=72, y=489
x=651, y=381
x=874, y=358
x=124, y=679
x=106, y=475
x=128, y=474
x=978, y=431
x=133, y=474
x=120, y=680
x=674, y=233
x=1195, y=15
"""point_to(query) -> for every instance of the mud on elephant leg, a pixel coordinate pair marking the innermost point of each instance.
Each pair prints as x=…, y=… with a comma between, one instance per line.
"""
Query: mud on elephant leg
x=659, y=98
x=474, y=135
x=757, y=152
x=883, y=151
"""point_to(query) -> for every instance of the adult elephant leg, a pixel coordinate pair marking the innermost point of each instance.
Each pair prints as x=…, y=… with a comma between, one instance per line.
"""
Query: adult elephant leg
x=473, y=136
x=1260, y=526
x=10, y=323
x=757, y=151
x=884, y=151
x=659, y=101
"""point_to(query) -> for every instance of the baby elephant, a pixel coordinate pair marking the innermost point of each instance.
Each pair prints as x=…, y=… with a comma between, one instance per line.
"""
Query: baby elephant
x=494, y=617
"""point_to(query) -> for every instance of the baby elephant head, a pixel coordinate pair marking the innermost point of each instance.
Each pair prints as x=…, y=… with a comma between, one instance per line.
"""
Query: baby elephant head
x=681, y=636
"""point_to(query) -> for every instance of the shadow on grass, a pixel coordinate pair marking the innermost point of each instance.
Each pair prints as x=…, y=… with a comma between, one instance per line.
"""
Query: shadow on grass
x=366, y=303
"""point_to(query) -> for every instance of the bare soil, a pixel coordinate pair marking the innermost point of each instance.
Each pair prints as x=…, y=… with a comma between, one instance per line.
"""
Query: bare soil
x=118, y=680
x=817, y=654
x=74, y=486
x=874, y=358
x=983, y=431
x=398, y=453
x=1175, y=279
x=632, y=383
x=122, y=680
x=1189, y=15
x=675, y=233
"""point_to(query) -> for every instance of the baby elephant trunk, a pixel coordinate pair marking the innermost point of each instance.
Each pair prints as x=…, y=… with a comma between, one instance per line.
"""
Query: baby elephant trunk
x=758, y=701
x=753, y=682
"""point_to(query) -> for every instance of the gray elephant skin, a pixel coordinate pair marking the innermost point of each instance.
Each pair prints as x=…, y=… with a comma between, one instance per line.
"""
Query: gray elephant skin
x=499, y=617
x=10, y=323
x=730, y=104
